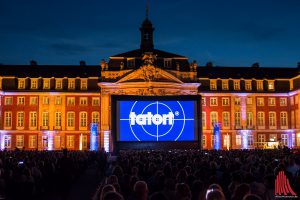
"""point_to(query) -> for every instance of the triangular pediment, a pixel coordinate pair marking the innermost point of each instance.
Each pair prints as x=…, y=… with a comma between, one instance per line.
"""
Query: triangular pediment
x=149, y=73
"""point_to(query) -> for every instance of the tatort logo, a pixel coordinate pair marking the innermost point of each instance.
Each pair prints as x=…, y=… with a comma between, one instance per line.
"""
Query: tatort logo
x=149, y=118
x=156, y=120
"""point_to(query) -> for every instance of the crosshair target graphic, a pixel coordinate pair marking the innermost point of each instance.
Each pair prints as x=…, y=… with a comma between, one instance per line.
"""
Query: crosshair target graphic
x=157, y=121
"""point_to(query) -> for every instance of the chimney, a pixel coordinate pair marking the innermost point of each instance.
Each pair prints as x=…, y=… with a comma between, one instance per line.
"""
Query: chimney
x=33, y=63
x=82, y=63
x=209, y=64
x=255, y=65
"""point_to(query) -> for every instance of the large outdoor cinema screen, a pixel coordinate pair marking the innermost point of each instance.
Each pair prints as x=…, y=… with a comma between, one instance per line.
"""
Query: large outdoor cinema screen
x=156, y=119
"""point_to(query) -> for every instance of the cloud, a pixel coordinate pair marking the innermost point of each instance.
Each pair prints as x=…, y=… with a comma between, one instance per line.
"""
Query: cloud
x=69, y=48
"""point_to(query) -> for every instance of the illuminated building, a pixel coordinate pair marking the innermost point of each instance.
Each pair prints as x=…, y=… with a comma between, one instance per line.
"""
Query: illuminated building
x=52, y=107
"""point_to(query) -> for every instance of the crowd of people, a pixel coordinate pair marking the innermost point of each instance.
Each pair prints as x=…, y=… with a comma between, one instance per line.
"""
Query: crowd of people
x=39, y=174
x=197, y=175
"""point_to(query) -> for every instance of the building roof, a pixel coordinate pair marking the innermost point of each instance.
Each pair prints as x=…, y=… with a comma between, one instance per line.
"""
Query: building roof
x=138, y=53
x=57, y=71
x=246, y=72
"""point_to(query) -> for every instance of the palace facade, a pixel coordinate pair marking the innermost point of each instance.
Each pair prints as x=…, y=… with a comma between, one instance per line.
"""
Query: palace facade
x=52, y=107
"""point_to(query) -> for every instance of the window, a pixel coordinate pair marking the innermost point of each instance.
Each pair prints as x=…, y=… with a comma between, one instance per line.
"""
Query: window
x=83, y=101
x=249, y=100
x=261, y=138
x=248, y=85
x=272, y=119
x=284, y=139
x=71, y=101
x=21, y=100
x=283, y=120
x=167, y=62
x=96, y=101
x=283, y=101
x=226, y=141
x=236, y=85
x=32, y=141
x=130, y=62
x=249, y=120
x=7, y=141
x=203, y=140
x=225, y=101
x=271, y=101
x=213, y=84
x=45, y=119
x=213, y=101
x=33, y=101
x=57, y=119
x=70, y=119
x=260, y=101
x=20, y=119
x=292, y=100
x=34, y=83
x=83, y=119
x=20, y=141
x=292, y=119
x=238, y=140
x=46, y=84
x=213, y=118
x=58, y=84
x=225, y=85
x=32, y=119
x=260, y=119
x=84, y=141
x=213, y=140
x=95, y=117
x=203, y=120
x=56, y=141
x=259, y=85
x=271, y=85
x=71, y=83
x=250, y=139
x=237, y=101
x=46, y=100
x=8, y=101
x=45, y=141
x=237, y=120
x=83, y=84
x=203, y=101
x=58, y=100
x=21, y=83
x=7, y=119
x=70, y=141
x=226, y=119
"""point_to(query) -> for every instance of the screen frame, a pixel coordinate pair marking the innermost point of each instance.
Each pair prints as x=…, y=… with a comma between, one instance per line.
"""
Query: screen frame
x=121, y=145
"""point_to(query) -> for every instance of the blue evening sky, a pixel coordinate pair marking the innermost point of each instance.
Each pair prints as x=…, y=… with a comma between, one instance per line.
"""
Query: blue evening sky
x=226, y=32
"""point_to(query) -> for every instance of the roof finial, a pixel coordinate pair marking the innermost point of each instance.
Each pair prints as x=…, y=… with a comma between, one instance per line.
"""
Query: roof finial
x=147, y=9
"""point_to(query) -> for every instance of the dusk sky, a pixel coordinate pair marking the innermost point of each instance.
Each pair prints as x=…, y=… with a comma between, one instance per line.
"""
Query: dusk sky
x=227, y=33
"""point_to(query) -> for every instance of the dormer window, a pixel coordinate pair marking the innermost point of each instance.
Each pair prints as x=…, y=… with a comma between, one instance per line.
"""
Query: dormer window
x=167, y=62
x=34, y=83
x=130, y=62
x=224, y=84
x=271, y=85
x=71, y=83
x=259, y=85
x=21, y=83
x=248, y=85
x=213, y=84
x=83, y=84
x=46, y=84
x=58, y=84
x=236, y=85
